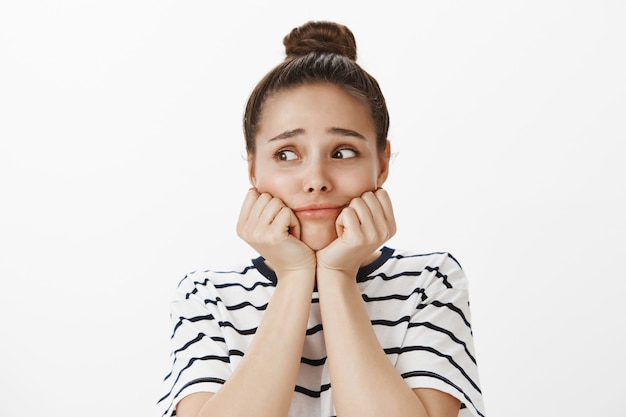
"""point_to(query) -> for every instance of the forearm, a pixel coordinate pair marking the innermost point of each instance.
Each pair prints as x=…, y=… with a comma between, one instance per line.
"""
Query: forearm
x=364, y=381
x=263, y=382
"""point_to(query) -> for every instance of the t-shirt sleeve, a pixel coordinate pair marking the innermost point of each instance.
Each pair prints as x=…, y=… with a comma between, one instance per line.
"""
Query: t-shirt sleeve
x=438, y=348
x=199, y=355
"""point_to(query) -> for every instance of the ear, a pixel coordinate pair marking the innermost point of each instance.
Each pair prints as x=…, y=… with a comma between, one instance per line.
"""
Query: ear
x=251, y=175
x=383, y=165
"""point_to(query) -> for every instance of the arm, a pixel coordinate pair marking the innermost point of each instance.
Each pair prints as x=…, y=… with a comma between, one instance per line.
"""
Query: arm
x=364, y=381
x=263, y=382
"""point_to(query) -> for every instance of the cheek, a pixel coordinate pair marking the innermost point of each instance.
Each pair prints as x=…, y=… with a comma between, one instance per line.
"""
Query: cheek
x=272, y=182
x=364, y=180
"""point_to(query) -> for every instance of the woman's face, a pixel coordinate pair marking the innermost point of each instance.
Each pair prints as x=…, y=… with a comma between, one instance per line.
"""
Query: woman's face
x=316, y=151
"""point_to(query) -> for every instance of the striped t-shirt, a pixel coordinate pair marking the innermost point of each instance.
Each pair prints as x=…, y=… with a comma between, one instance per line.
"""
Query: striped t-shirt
x=418, y=305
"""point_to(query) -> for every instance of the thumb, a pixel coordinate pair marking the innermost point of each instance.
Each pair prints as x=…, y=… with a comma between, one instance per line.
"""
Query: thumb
x=294, y=223
x=339, y=224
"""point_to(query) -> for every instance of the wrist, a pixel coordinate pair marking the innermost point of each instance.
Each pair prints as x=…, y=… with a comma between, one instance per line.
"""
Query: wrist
x=302, y=277
x=327, y=277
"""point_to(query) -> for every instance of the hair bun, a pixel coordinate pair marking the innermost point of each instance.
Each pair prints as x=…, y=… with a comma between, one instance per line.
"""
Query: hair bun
x=320, y=37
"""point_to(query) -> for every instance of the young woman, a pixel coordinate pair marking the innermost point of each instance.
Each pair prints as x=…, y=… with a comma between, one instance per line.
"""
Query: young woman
x=327, y=321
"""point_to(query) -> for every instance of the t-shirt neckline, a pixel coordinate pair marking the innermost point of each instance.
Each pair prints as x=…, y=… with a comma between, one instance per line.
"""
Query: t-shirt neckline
x=363, y=272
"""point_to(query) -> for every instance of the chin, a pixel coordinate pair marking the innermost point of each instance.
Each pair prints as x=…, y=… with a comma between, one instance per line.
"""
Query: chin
x=318, y=238
x=317, y=244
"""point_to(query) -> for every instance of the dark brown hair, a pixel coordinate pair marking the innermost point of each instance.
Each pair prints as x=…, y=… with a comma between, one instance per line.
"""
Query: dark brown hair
x=319, y=52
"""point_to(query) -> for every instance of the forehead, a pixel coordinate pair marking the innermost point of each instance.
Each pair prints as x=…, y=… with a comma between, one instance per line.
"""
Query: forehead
x=317, y=105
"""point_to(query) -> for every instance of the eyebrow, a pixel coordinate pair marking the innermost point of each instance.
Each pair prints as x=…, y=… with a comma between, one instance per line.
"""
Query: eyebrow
x=346, y=132
x=287, y=134
x=333, y=130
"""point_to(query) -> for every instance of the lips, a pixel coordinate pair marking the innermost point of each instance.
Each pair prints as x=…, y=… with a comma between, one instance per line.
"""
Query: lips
x=318, y=211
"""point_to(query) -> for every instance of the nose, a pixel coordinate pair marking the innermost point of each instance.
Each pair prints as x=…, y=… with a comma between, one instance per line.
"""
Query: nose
x=317, y=178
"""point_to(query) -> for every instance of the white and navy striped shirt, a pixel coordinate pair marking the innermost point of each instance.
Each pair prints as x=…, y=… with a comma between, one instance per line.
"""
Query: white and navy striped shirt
x=418, y=305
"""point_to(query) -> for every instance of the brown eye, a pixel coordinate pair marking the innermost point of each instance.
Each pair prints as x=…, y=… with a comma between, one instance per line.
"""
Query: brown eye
x=345, y=153
x=285, y=155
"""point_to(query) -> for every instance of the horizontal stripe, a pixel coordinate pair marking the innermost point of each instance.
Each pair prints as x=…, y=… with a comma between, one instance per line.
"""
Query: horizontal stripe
x=236, y=306
x=386, y=277
x=312, y=393
x=390, y=323
x=402, y=350
x=224, y=359
x=450, y=306
x=314, y=329
x=246, y=332
x=188, y=344
x=421, y=255
x=401, y=297
x=439, y=275
x=314, y=362
x=191, y=342
x=182, y=319
x=188, y=384
x=447, y=332
x=447, y=381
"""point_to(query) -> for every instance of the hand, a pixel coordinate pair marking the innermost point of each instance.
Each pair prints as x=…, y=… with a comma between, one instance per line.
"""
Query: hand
x=273, y=230
x=362, y=227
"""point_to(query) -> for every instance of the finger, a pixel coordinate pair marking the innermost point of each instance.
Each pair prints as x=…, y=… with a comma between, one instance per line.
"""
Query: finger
x=246, y=207
x=259, y=206
x=348, y=222
x=363, y=209
x=287, y=221
x=270, y=211
x=385, y=225
x=369, y=212
x=375, y=207
x=294, y=224
x=339, y=223
x=381, y=225
x=385, y=201
x=387, y=206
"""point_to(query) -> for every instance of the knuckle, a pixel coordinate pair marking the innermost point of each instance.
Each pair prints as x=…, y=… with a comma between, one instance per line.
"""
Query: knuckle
x=264, y=198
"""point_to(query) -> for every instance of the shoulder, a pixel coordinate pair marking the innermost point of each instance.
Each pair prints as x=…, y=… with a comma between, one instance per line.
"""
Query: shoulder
x=432, y=268
x=438, y=258
x=244, y=276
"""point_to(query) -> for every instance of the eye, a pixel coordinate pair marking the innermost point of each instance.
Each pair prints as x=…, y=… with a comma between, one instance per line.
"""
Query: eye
x=345, y=153
x=285, y=155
